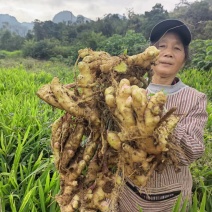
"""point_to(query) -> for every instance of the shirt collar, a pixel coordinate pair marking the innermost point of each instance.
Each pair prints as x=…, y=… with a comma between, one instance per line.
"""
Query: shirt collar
x=169, y=89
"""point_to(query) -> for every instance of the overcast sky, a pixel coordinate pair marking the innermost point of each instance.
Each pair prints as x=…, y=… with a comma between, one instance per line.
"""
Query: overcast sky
x=44, y=10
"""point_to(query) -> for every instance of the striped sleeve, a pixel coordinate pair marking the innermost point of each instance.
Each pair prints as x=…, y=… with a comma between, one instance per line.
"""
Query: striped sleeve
x=190, y=129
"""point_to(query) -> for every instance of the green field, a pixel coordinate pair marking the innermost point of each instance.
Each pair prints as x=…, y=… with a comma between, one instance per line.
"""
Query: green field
x=28, y=179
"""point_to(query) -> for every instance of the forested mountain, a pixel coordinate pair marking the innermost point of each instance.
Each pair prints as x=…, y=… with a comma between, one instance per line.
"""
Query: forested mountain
x=69, y=18
x=8, y=22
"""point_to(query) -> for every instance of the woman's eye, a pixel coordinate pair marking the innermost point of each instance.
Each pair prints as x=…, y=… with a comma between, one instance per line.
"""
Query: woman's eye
x=178, y=48
x=161, y=46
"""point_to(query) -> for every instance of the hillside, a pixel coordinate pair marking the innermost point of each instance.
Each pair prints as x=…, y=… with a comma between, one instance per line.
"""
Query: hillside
x=10, y=22
x=69, y=18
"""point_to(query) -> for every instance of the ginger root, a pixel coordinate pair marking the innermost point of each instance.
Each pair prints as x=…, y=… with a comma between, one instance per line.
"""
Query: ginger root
x=111, y=129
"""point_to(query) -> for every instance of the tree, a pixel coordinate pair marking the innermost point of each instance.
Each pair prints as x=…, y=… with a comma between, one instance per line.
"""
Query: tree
x=5, y=39
x=207, y=30
x=38, y=30
x=196, y=15
x=46, y=30
x=10, y=41
x=91, y=39
x=153, y=17
x=131, y=42
x=135, y=21
x=111, y=24
x=198, y=11
x=39, y=50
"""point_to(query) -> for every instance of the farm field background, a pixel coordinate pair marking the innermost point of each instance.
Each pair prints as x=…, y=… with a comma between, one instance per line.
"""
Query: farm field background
x=28, y=179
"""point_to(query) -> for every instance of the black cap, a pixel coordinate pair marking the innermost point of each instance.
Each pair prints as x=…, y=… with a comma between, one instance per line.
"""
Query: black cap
x=171, y=25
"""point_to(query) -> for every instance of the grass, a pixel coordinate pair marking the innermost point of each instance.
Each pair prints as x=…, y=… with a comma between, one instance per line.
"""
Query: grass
x=7, y=54
x=28, y=179
x=201, y=80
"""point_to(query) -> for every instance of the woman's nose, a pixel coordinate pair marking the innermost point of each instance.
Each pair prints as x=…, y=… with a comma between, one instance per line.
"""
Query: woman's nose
x=168, y=53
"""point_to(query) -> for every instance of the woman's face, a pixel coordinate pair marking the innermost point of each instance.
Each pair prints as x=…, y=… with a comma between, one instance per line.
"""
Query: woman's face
x=171, y=57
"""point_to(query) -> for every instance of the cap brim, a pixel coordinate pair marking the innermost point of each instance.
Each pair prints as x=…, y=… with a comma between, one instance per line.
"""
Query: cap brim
x=170, y=25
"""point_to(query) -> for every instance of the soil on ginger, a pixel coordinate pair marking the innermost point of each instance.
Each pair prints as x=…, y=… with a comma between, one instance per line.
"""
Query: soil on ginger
x=111, y=129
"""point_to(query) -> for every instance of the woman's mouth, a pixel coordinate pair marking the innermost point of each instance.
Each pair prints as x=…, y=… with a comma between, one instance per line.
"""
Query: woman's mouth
x=165, y=63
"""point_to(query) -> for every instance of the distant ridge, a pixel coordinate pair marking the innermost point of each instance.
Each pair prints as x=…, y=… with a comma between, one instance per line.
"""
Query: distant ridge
x=69, y=18
x=10, y=22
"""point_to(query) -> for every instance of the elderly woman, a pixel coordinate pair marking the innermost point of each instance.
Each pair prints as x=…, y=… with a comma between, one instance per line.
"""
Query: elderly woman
x=172, y=38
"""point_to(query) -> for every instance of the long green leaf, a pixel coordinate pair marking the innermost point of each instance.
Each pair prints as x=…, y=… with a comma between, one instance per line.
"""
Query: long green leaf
x=42, y=197
x=18, y=152
x=26, y=200
x=184, y=207
x=54, y=206
x=47, y=184
x=203, y=202
x=38, y=170
x=12, y=203
x=176, y=207
x=195, y=202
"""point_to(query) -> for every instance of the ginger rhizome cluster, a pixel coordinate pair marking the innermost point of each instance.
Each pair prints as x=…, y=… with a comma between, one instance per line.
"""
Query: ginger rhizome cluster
x=111, y=129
